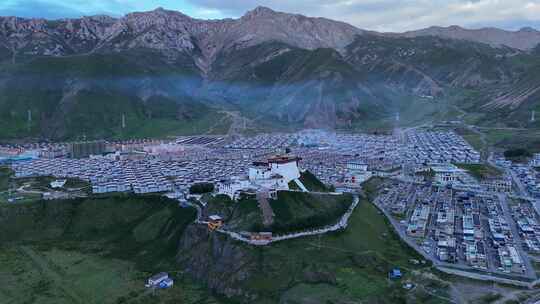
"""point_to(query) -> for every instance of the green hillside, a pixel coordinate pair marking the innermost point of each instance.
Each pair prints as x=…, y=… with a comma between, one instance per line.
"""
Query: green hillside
x=72, y=97
x=481, y=171
x=5, y=173
x=350, y=266
x=297, y=211
x=93, y=251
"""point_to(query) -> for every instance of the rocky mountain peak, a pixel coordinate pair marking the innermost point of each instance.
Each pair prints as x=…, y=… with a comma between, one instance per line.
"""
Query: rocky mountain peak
x=260, y=11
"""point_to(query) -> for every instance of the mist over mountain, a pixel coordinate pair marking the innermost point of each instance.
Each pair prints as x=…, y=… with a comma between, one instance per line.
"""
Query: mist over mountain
x=167, y=72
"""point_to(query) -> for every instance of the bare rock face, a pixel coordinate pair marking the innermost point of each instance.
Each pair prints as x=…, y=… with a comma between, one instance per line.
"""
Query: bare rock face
x=263, y=24
x=221, y=263
x=171, y=31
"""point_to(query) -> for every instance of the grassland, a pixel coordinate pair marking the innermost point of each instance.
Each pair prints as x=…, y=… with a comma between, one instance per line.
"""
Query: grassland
x=473, y=138
x=45, y=274
x=295, y=211
x=93, y=251
x=481, y=171
x=512, y=139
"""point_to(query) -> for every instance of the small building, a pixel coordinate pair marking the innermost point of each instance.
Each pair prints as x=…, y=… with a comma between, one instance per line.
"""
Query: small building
x=395, y=274
x=446, y=174
x=155, y=280
x=166, y=283
x=418, y=222
x=214, y=222
x=535, y=162
x=58, y=183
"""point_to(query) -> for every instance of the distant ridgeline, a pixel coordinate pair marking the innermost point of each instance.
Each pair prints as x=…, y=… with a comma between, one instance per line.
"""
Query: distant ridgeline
x=158, y=73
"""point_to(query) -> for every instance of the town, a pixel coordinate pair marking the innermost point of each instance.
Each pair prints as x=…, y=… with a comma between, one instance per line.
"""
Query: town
x=459, y=211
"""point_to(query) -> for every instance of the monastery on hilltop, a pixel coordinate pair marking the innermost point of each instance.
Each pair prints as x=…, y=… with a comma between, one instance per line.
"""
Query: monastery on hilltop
x=270, y=176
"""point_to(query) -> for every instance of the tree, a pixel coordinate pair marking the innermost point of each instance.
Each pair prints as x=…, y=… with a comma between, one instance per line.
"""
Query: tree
x=515, y=153
x=201, y=188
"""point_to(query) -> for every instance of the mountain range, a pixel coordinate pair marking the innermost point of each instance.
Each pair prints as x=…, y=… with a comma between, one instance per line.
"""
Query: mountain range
x=162, y=72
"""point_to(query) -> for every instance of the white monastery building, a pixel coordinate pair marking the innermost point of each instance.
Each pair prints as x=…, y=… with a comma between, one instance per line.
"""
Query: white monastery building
x=274, y=174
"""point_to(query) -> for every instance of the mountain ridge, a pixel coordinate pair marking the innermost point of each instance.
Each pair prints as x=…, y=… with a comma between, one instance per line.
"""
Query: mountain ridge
x=287, y=69
x=524, y=39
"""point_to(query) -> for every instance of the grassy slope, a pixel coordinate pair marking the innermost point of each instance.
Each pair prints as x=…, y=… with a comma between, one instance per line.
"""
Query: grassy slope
x=92, y=251
x=5, y=173
x=293, y=211
x=481, y=171
x=102, y=88
x=312, y=183
x=242, y=215
x=296, y=211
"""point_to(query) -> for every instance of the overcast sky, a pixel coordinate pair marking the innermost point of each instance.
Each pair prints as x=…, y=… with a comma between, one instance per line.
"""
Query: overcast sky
x=381, y=15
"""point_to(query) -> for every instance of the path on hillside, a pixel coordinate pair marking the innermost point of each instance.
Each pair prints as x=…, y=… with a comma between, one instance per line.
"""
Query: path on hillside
x=238, y=124
x=266, y=209
x=54, y=276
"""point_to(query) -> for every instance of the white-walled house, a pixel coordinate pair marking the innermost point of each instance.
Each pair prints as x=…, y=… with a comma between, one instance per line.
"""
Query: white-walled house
x=536, y=160
x=233, y=188
x=446, y=174
x=357, y=173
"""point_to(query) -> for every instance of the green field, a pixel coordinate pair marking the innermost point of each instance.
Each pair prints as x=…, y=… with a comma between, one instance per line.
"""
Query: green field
x=514, y=139
x=93, y=251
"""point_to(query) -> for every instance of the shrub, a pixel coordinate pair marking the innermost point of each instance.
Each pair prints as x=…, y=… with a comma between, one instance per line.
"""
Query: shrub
x=201, y=188
x=515, y=153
